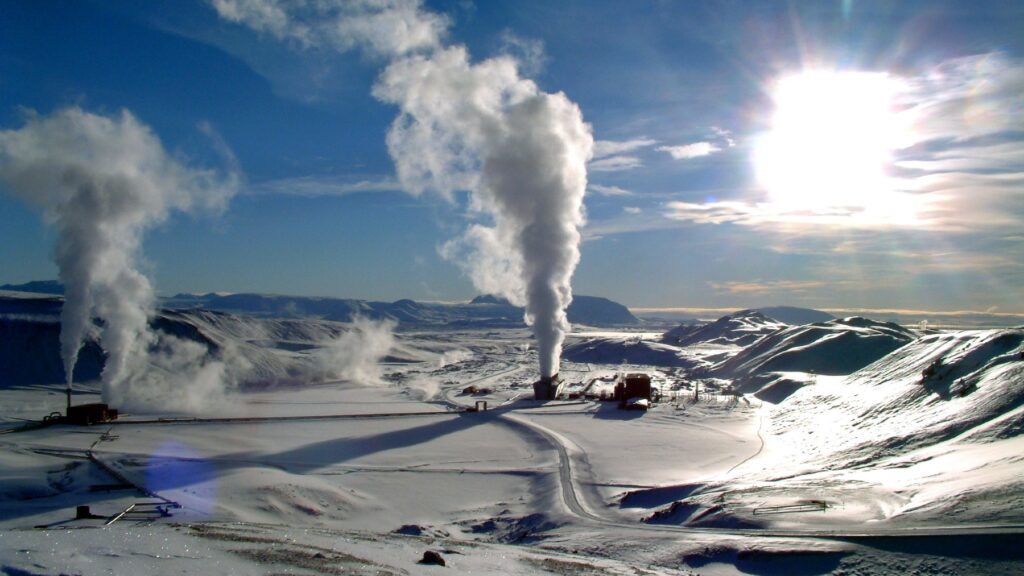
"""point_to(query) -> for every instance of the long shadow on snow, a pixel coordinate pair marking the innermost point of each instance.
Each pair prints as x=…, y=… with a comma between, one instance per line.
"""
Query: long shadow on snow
x=767, y=563
x=311, y=457
x=981, y=546
x=67, y=485
x=611, y=411
x=319, y=455
x=172, y=472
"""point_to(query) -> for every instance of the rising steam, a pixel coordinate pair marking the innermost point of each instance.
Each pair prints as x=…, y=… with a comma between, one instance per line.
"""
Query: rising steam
x=102, y=182
x=520, y=152
x=356, y=354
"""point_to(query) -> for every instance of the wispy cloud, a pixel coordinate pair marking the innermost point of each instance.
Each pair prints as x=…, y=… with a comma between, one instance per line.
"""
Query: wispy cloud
x=605, y=148
x=529, y=52
x=765, y=214
x=380, y=27
x=758, y=287
x=312, y=186
x=628, y=221
x=609, y=190
x=689, y=151
x=616, y=156
x=615, y=164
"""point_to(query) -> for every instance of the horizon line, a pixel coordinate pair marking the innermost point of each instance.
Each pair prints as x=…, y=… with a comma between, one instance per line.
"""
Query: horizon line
x=901, y=311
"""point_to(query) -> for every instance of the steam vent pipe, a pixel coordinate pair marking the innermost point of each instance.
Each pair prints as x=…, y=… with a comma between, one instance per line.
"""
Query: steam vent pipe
x=547, y=388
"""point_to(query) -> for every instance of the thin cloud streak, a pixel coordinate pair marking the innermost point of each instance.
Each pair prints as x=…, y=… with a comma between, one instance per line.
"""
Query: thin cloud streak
x=615, y=164
x=315, y=186
x=770, y=287
x=385, y=28
x=609, y=190
x=690, y=151
x=605, y=148
x=617, y=156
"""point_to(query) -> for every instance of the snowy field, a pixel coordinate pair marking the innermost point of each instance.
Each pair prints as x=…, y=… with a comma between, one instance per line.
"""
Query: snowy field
x=875, y=472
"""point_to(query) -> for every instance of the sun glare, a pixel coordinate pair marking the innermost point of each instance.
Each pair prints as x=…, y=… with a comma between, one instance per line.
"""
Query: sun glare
x=831, y=142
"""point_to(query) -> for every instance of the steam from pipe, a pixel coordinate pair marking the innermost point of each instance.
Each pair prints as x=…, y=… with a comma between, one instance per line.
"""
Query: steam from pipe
x=522, y=153
x=102, y=181
x=356, y=354
x=478, y=127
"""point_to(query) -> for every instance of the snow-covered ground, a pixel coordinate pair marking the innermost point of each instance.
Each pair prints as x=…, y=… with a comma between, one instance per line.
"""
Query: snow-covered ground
x=882, y=471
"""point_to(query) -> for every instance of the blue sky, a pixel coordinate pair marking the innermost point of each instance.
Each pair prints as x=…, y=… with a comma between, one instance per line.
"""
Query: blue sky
x=682, y=98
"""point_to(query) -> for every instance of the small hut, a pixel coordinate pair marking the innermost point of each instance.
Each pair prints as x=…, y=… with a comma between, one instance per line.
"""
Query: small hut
x=630, y=386
x=89, y=414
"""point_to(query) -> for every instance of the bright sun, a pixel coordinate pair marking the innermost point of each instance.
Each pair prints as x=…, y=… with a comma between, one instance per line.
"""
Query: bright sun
x=831, y=142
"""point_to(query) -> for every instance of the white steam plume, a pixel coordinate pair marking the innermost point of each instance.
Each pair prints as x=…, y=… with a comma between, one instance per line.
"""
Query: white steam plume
x=521, y=152
x=479, y=127
x=356, y=354
x=102, y=182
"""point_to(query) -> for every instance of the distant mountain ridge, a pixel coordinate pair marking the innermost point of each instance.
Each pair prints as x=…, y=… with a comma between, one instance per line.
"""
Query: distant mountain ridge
x=483, y=311
x=36, y=286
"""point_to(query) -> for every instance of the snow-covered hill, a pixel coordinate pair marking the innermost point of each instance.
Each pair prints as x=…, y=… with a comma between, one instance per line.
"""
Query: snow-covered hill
x=270, y=348
x=967, y=386
x=740, y=329
x=835, y=347
x=30, y=343
x=930, y=434
x=624, y=350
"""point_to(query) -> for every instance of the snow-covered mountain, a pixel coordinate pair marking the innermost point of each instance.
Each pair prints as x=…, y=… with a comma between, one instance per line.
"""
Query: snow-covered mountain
x=481, y=311
x=740, y=329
